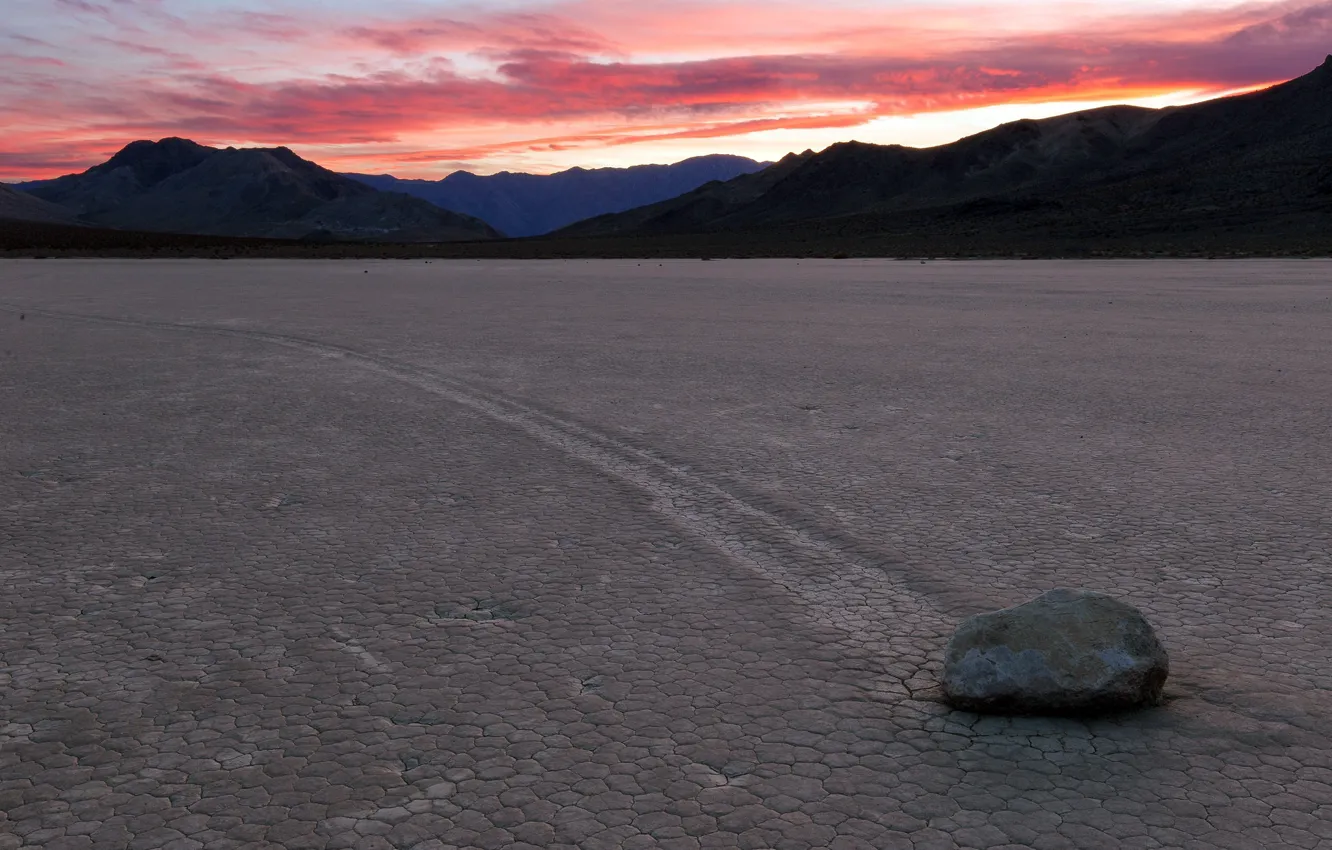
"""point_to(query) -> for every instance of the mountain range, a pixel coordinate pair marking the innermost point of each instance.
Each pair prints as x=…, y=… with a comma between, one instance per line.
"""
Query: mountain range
x=1245, y=161
x=176, y=185
x=1246, y=173
x=533, y=204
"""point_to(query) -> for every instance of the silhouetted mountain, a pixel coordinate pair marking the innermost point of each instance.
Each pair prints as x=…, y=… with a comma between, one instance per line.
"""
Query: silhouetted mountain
x=1231, y=162
x=20, y=206
x=532, y=204
x=178, y=186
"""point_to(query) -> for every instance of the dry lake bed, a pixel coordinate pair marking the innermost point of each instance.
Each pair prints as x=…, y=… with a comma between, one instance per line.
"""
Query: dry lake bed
x=619, y=555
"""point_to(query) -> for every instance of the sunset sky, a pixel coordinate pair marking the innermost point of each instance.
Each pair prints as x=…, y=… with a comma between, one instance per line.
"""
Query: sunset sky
x=421, y=89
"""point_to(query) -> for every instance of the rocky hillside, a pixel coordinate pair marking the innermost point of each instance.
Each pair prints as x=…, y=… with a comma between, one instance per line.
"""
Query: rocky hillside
x=20, y=206
x=1235, y=160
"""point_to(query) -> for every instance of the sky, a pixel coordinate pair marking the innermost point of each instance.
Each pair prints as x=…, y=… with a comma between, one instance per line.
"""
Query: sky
x=421, y=89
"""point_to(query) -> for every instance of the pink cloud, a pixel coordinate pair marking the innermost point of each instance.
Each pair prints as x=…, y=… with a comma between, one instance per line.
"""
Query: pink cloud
x=510, y=31
x=15, y=61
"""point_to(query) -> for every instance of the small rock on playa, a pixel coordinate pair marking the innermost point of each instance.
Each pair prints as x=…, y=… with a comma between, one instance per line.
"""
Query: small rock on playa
x=1065, y=652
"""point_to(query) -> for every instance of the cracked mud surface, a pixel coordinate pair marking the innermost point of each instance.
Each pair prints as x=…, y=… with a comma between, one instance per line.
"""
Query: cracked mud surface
x=621, y=555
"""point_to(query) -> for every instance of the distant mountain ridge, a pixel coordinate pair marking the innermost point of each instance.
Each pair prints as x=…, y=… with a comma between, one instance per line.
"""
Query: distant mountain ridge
x=1119, y=169
x=533, y=204
x=176, y=185
x=20, y=206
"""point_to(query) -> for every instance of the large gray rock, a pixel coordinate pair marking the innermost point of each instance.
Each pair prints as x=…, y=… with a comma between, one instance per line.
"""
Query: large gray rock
x=1067, y=651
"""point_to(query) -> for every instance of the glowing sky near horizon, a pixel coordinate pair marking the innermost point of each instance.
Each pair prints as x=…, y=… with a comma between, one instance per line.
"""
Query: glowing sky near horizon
x=421, y=88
